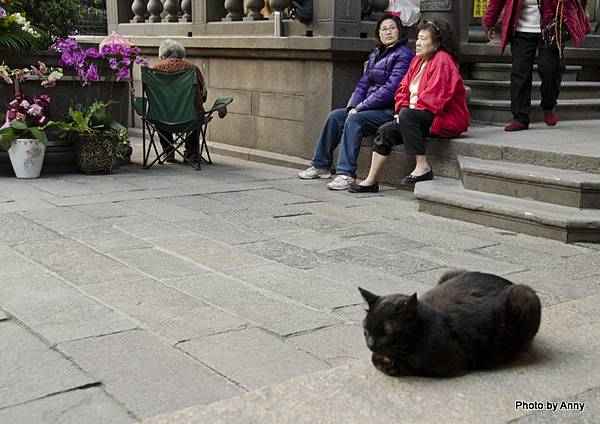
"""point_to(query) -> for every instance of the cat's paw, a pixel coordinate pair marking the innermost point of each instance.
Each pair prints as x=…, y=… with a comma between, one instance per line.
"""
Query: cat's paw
x=385, y=364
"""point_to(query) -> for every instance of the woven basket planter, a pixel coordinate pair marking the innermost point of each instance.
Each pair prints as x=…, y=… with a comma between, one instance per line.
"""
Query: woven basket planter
x=96, y=153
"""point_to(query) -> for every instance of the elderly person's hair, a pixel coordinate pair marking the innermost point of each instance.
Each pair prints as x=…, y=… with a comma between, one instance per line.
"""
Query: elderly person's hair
x=442, y=34
x=171, y=49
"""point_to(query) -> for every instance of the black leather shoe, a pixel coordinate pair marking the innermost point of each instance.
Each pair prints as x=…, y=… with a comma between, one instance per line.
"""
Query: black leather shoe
x=411, y=179
x=355, y=188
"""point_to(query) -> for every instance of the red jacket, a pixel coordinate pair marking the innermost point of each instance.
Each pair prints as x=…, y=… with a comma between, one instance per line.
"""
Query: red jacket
x=441, y=91
x=575, y=17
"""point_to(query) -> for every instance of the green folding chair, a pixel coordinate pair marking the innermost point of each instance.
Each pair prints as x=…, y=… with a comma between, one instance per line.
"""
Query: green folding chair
x=169, y=103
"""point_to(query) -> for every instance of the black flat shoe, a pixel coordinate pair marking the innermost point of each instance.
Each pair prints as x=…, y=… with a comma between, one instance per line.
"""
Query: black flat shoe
x=411, y=179
x=355, y=188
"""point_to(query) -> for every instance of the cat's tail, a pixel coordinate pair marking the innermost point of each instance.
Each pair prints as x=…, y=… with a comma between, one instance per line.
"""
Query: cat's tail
x=523, y=314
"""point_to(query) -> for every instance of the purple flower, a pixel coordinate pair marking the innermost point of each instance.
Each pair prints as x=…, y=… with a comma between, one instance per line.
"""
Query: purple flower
x=35, y=110
x=122, y=74
x=92, y=73
x=2, y=13
x=92, y=53
x=112, y=62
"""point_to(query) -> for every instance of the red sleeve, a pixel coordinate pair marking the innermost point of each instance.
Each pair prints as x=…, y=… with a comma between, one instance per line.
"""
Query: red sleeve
x=402, y=96
x=492, y=12
x=443, y=81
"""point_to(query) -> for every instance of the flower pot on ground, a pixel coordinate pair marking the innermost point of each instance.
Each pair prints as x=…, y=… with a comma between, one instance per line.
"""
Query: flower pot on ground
x=98, y=139
x=27, y=157
x=23, y=134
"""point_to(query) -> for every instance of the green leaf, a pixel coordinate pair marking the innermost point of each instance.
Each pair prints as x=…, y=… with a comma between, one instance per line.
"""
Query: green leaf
x=39, y=134
x=18, y=125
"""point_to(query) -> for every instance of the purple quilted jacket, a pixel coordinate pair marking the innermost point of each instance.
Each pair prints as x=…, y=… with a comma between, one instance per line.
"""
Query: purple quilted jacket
x=385, y=70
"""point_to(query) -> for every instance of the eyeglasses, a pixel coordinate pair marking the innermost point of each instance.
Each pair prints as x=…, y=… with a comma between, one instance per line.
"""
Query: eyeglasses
x=430, y=23
x=388, y=29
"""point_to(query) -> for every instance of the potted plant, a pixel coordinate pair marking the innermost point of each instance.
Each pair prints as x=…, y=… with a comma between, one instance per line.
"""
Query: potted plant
x=98, y=139
x=23, y=134
x=16, y=32
x=94, y=123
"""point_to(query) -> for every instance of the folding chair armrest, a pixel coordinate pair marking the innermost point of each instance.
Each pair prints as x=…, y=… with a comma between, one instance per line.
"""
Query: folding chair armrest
x=219, y=103
x=140, y=105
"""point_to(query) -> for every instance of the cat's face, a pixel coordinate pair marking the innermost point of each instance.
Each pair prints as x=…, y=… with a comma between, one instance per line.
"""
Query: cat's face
x=390, y=326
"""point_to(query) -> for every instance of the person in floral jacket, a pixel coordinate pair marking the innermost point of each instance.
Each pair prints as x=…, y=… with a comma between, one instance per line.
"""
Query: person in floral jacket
x=526, y=26
x=371, y=105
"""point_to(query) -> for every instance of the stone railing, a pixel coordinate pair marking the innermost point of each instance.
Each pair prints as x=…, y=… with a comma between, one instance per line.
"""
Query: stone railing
x=238, y=17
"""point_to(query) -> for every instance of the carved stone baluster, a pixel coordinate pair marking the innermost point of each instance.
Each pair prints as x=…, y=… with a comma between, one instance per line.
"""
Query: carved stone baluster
x=235, y=10
x=278, y=5
x=186, y=6
x=172, y=9
x=378, y=7
x=155, y=7
x=254, y=10
x=139, y=10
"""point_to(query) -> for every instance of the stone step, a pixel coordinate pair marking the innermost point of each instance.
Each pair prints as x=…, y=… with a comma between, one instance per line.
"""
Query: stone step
x=557, y=186
x=498, y=111
x=448, y=198
x=501, y=72
x=500, y=90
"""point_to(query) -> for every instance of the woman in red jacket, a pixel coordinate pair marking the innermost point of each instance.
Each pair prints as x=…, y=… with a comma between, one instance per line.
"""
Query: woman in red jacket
x=431, y=99
x=523, y=24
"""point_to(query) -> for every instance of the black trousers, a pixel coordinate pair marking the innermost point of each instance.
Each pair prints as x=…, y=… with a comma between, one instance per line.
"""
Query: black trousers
x=191, y=142
x=411, y=131
x=524, y=47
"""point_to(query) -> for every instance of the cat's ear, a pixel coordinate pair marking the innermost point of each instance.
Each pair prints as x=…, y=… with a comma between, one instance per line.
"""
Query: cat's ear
x=411, y=306
x=369, y=297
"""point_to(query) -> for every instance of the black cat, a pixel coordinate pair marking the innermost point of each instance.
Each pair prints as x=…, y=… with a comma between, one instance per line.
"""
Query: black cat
x=470, y=320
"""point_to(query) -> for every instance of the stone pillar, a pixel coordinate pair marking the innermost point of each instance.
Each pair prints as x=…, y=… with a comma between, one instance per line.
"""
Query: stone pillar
x=139, y=10
x=186, y=7
x=172, y=9
x=155, y=7
x=235, y=10
x=456, y=14
x=378, y=7
x=254, y=10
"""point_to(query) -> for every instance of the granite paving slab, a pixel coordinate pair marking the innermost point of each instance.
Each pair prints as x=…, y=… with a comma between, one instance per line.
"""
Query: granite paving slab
x=164, y=310
x=158, y=263
x=147, y=228
x=295, y=284
x=161, y=209
x=336, y=345
x=106, y=210
x=312, y=240
x=576, y=266
x=371, y=278
x=89, y=406
x=220, y=230
x=56, y=311
x=395, y=263
x=252, y=357
x=62, y=219
x=211, y=254
x=76, y=263
x=558, y=284
x=287, y=254
x=465, y=260
x=18, y=229
x=30, y=370
x=263, y=308
x=147, y=375
x=3, y=315
x=106, y=238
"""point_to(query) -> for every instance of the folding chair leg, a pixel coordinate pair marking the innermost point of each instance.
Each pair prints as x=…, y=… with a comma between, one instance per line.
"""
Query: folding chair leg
x=204, y=146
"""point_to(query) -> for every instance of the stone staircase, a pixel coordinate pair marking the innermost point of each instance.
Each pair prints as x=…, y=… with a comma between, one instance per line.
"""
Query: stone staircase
x=560, y=204
x=490, y=98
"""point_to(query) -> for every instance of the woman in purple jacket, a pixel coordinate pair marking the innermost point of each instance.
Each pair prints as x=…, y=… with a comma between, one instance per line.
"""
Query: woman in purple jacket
x=370, y=106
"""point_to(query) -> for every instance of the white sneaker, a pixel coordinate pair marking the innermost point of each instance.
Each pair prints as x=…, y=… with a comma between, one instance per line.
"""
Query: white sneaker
x=340, y=182
x=312, y=173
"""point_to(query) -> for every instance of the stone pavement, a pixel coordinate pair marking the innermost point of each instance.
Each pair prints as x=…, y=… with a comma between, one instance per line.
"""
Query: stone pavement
x=228, y=295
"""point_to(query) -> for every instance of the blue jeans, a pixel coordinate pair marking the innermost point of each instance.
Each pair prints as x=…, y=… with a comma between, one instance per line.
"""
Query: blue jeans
x=349, y=130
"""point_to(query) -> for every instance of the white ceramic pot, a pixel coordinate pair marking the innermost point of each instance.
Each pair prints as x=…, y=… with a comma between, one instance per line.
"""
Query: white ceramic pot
x=27, y=157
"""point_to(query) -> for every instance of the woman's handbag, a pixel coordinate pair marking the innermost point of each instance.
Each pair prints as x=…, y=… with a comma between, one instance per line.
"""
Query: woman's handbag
x=556, y=33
